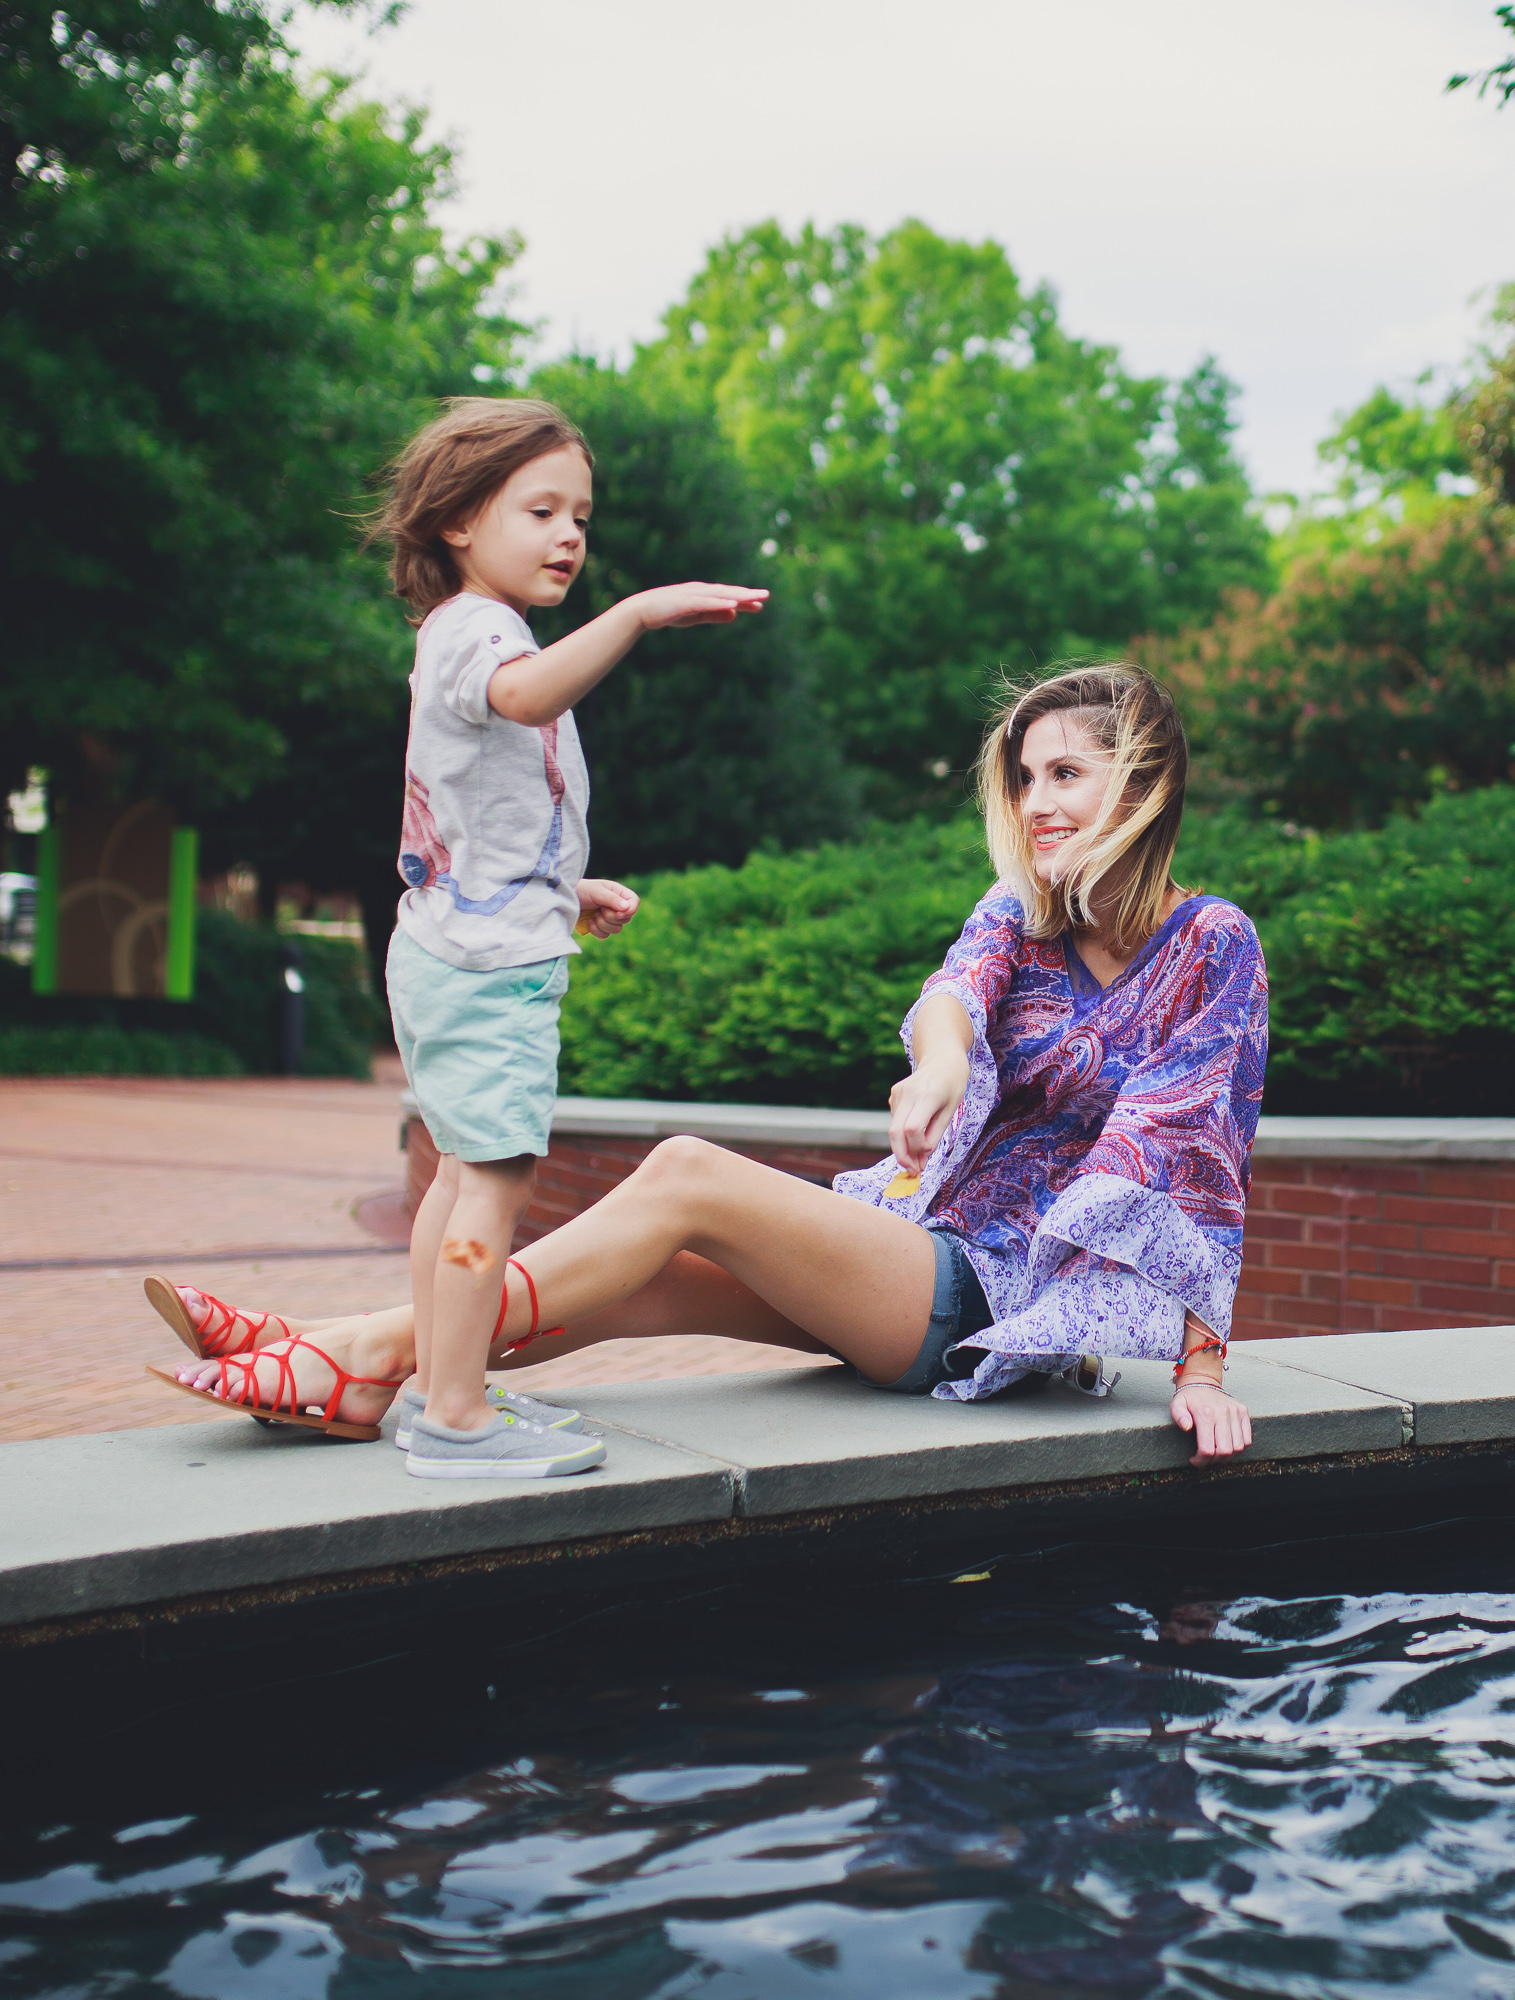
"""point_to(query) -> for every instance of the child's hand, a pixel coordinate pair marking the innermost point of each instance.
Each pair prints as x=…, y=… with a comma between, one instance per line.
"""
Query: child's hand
x=680, y=604
x=605, y=908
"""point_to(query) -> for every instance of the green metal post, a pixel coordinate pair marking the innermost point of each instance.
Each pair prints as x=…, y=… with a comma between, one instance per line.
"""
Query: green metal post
x=183, y=873
x=45, y=935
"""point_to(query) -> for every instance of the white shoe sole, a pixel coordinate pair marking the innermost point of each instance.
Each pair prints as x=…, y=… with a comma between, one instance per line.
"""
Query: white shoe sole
x=504, y=1468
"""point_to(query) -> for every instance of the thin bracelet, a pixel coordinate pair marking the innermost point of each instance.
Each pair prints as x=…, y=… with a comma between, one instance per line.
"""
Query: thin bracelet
x=1211, y=1344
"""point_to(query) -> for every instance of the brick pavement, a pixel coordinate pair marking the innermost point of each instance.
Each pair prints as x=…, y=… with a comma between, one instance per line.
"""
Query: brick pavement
x=98, y=1175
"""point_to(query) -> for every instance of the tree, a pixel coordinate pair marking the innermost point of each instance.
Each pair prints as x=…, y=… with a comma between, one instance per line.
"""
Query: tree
x=1373, y=675
x=952, y=483
x=1484, y=412
x=702, y=745
x=210, y=347
x=1498, y=77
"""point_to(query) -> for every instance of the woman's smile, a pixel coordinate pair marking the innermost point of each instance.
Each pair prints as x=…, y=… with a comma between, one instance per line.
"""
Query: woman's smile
x=1048, y=837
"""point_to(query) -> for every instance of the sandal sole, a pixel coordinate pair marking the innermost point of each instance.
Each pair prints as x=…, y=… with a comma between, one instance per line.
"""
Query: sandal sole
x=169, y=1307
x=359, y=1433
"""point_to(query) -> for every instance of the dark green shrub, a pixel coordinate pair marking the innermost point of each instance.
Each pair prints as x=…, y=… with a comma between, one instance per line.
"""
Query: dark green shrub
x=239, y=976
x=783, y=981
x=1391, y=958
x=111, y=1052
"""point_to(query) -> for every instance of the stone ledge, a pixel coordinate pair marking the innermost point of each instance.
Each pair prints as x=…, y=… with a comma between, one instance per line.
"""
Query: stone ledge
x=131, y=1518
x=800, y=1125
x=1459, y=1381
x=799, y=1438
x=126, y=1517
x=1385, y=1139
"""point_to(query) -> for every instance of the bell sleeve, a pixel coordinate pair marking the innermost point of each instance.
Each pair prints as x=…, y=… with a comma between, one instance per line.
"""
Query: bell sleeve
x=1150, y=1222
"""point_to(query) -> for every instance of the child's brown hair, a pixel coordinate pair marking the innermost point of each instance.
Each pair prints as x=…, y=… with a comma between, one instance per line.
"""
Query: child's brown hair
x=448, y=472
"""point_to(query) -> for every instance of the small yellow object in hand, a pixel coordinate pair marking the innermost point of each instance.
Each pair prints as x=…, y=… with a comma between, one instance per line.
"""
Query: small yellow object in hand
x=585, y=926
x=902, y=1186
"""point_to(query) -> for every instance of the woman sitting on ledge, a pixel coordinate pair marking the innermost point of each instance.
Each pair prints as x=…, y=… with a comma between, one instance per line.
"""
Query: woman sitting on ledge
x=1070, y=1152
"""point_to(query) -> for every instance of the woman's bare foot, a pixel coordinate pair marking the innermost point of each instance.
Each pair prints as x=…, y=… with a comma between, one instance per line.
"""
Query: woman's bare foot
x=201, y=1319
x=354, y=1347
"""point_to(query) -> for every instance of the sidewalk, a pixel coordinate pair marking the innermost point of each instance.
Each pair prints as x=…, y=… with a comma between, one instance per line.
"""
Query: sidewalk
x=225, y=1183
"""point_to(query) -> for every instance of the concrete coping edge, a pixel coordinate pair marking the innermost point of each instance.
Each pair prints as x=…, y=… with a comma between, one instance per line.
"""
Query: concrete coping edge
x=803, y=1125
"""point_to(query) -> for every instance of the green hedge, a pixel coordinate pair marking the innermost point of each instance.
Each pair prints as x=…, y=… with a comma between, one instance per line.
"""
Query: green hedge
x=1391, y=957
x=239, y=978
x=229, y=1028
x=111, y=1052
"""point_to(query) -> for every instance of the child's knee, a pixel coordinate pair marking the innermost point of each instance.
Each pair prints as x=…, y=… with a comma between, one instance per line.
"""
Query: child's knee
x=503, y=1184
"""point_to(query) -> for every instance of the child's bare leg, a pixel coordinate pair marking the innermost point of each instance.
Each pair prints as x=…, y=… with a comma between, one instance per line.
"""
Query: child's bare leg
x=465, y=1296
x=425, y=1249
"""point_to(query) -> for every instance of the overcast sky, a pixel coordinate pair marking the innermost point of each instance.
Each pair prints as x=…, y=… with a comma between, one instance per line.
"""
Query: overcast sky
x=1285, y=185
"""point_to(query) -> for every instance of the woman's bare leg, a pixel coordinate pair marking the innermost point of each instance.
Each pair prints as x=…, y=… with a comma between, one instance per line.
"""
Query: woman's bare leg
x=805, y=1260
x=696, y=1241
x=690, y=1295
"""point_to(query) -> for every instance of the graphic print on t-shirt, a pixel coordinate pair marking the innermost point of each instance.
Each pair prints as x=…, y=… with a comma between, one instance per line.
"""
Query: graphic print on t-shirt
x=425, y=862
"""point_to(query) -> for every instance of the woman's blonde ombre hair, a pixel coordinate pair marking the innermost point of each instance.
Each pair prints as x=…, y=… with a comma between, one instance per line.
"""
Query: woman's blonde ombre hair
x=1130, y=845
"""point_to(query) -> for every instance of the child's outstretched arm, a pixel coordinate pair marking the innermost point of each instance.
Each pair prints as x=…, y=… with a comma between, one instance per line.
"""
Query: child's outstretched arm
x=539, y=687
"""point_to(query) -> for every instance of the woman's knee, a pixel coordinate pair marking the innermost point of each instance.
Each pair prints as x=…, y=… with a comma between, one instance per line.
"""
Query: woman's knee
x=681, y=1166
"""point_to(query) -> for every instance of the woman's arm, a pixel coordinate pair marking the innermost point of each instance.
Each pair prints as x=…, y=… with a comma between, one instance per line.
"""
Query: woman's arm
x=921, y=1106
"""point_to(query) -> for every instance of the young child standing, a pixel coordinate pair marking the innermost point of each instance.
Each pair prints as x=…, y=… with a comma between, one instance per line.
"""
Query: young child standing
x=487, y=518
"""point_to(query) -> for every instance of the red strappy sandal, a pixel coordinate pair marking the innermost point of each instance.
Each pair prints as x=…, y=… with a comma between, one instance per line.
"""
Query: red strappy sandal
x=244, y=1396
x=220, y=1330
x=533, y=1332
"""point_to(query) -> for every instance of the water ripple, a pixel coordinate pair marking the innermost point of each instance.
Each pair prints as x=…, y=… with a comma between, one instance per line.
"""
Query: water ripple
x=1308, y=1797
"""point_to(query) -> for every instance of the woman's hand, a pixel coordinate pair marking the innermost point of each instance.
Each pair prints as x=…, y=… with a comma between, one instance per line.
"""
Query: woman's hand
x=921, y=1107
x=1220, y=1424
x=605, y=908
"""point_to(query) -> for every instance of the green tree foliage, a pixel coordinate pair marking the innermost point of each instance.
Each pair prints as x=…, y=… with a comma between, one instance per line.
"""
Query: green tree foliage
x=212, y=336
x=95, y=88
x=1387, y=448
x=953, y=483
x=1371, y=676
x=1484, y=411
x=1390, y=957
x=704, y=744
x=1498, y=77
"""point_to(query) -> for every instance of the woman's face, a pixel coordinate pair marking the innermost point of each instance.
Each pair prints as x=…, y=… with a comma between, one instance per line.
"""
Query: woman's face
x=1063, y=773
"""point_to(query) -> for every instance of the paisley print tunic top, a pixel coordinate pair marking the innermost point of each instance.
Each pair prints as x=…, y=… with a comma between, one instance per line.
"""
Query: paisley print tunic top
x=1097, y=1169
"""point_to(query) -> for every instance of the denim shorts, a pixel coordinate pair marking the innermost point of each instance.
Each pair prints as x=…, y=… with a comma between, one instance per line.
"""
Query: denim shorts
x=480, y=1049
x=958, y=1310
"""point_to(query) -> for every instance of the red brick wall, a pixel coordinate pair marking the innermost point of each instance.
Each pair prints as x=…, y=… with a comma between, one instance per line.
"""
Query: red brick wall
x=579, y=1170
x=1332, y=1246
x=1349, y=1246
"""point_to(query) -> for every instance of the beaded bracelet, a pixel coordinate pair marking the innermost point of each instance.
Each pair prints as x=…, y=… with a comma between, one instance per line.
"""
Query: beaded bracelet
x=1211, y=1344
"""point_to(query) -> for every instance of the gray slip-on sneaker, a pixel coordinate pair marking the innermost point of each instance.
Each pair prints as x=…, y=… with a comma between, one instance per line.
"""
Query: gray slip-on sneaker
x=412, y=1402
x=506, y=1448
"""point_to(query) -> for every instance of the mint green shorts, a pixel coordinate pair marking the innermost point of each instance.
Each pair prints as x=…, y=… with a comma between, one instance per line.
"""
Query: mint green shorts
x=480, y=1049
